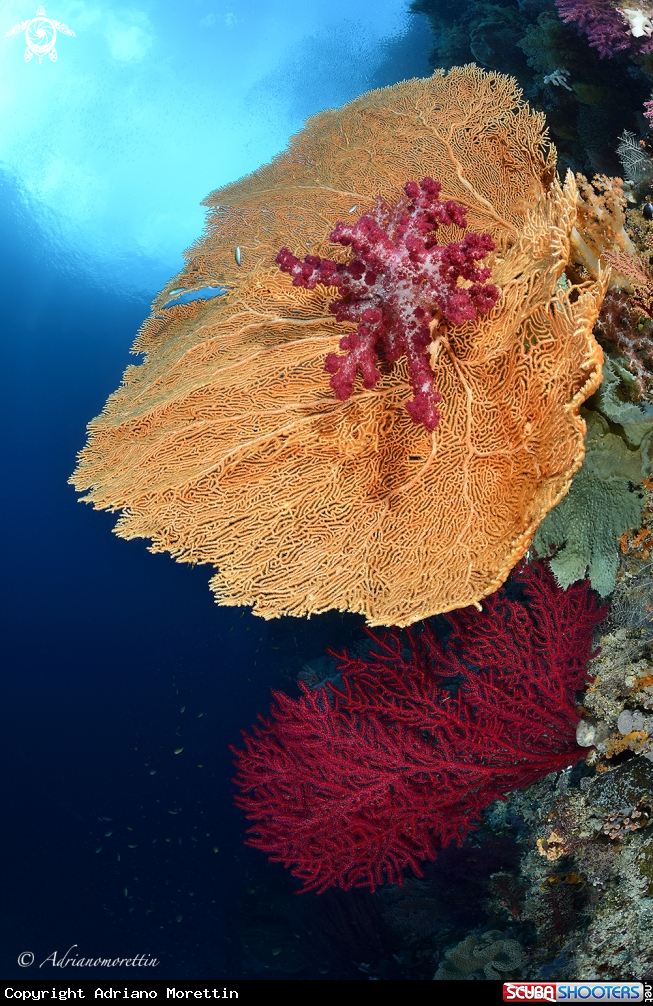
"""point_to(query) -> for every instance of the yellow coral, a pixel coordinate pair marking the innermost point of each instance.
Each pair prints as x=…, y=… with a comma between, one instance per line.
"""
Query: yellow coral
x=552, y=847
x=226, y=446
x=600, y=228
x=634, y=741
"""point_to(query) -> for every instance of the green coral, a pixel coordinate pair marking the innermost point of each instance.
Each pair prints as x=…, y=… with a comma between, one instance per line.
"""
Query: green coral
x=600, y=506
x=633, y=422
x=603, y=501
x=612, y=398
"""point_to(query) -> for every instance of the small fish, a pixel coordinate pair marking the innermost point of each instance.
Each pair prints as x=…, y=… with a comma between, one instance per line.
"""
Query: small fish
x=173, y=811
x=153, y=771
x=108, y=834
x=237, y=256
x=118, y=857
x=105, y=819
x=99, y=848
x=178, y=918
x=131, y=846
x=125, y=891
x=183, y=709
x=178, y=750
x=354, y=207
x=215, y=848
x=199, y=715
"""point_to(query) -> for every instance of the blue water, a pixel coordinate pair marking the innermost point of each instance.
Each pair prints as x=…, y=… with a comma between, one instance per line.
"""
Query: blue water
x=103, y=644
x=114, y=658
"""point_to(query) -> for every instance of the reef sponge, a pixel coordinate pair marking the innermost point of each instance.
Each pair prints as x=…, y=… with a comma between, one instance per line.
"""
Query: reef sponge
x=226, y=446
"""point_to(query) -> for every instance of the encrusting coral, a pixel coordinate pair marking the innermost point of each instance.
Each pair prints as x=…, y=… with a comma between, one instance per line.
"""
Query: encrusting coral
x=619, y=704
x=226, y=445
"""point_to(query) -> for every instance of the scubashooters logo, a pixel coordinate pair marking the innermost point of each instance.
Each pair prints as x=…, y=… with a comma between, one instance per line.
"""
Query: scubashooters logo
x=572, y=991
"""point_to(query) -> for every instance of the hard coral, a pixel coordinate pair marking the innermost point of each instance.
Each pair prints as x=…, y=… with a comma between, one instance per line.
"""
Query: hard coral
x=352, y=786
x=398, y=287
x=226, y=446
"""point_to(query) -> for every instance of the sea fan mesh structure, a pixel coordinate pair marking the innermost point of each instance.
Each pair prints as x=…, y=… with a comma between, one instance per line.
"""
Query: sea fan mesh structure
x=226, y=445
x=350, y=785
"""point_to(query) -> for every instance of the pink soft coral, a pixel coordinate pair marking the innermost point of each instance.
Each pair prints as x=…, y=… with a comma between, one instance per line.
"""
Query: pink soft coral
x=606, y=27
x=648, y=110
x=399, y=281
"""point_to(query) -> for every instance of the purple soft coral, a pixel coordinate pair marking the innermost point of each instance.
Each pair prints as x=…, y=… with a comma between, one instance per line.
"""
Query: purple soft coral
x=399, y=281
x=607, y=29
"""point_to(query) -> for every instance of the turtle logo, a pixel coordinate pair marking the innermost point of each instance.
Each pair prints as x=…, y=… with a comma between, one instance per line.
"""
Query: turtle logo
x=40, y=35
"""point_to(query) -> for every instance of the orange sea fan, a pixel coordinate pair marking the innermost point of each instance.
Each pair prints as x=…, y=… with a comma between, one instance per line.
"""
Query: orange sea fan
x=226, y=445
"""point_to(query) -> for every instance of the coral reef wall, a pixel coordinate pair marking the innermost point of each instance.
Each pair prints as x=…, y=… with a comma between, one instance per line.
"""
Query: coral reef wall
x=588, y=100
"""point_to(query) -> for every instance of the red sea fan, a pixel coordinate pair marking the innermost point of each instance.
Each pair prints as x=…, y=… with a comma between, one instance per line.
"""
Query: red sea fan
x=399, y=281
x=349, y=787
